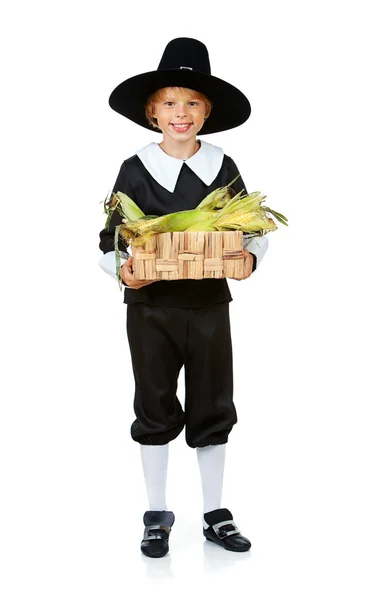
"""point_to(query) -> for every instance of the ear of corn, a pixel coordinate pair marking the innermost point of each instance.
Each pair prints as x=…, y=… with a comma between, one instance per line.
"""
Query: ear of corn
x=124, y=205
x=187, y=218
x=217, y=198
x=212, y=199
x=127, y=208
x=202, y=227
x=248, y=203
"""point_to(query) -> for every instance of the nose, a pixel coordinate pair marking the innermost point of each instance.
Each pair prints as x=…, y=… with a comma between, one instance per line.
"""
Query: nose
x=181, y=109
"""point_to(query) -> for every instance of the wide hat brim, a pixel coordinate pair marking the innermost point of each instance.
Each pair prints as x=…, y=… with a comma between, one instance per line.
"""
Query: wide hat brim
x=230, y=108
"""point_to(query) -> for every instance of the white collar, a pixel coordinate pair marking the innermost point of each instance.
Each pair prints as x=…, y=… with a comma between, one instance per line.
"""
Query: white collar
x=165, y=169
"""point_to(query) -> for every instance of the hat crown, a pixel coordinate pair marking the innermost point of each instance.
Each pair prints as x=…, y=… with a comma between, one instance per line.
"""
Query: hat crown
x=185, y=53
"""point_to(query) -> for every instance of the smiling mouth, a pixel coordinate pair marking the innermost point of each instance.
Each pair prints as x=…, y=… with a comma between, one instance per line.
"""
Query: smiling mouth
x=181, y=125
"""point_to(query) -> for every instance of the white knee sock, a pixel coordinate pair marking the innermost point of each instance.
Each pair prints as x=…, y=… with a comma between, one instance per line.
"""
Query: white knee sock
x=211, y=461
x=155, y=466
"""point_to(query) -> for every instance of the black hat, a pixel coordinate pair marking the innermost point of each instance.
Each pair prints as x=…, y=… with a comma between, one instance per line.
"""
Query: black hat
x=184, y=63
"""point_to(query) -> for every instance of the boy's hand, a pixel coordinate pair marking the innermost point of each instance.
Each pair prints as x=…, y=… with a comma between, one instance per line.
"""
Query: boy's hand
x=129, y=279
x=248, y=266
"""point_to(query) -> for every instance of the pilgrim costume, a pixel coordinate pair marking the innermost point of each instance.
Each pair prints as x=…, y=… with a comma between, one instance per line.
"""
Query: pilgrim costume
x=171, y=324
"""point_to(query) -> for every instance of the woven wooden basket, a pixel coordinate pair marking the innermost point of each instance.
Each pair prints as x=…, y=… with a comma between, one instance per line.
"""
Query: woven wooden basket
x=190, y=255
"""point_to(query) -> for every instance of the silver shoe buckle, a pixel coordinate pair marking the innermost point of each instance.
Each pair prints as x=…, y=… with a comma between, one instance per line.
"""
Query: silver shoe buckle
x=153, y=536
x=222, y=534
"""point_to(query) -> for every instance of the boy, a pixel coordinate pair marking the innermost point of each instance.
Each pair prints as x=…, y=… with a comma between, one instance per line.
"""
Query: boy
x=171, y=324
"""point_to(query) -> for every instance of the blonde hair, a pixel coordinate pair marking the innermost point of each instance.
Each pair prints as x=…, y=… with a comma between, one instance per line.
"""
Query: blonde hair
x=162, y=93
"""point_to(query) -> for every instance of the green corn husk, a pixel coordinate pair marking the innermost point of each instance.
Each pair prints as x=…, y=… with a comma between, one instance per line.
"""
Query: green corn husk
x=217, y=198
x=129, y=210
x=230, y=218
x=202, y=227
x=276, y=214
x=137, y=232
x=117, y=255
x=248, y=203
x=125, y=206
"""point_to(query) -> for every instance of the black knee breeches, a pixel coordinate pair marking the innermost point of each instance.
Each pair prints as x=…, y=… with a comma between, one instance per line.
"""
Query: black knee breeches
x=162, y=340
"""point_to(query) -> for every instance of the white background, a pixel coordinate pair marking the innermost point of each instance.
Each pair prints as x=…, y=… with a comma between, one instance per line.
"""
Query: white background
x=302, y=468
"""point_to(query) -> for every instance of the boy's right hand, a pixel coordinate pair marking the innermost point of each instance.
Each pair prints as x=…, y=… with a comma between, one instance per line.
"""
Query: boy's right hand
x=129, y=279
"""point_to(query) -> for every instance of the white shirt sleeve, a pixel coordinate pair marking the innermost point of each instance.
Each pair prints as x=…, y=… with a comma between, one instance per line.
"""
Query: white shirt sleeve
x=108, y=263
x=257, y=245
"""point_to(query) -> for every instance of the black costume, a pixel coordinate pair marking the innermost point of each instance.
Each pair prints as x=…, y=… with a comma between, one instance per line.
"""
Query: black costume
x=189, y=325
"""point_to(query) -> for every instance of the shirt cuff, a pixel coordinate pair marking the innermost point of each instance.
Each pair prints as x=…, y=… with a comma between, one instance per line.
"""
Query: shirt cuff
x=108, y=263
x=258, y=246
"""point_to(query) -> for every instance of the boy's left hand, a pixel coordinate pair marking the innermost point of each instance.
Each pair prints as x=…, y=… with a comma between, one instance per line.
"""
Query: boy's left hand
x=248, y=266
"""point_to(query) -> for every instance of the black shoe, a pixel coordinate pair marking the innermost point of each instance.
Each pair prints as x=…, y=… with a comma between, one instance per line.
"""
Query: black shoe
x=223, y=531
x=158, y=523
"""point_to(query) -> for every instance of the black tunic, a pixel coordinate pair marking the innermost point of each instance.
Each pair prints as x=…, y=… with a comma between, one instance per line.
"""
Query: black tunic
x=154, y=199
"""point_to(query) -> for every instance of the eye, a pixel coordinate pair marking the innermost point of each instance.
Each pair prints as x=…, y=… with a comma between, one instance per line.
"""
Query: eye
x=193, y=102
x=168, y=102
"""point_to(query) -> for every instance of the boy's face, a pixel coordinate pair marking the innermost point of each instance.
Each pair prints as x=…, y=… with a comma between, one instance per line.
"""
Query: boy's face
x=176, y=109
